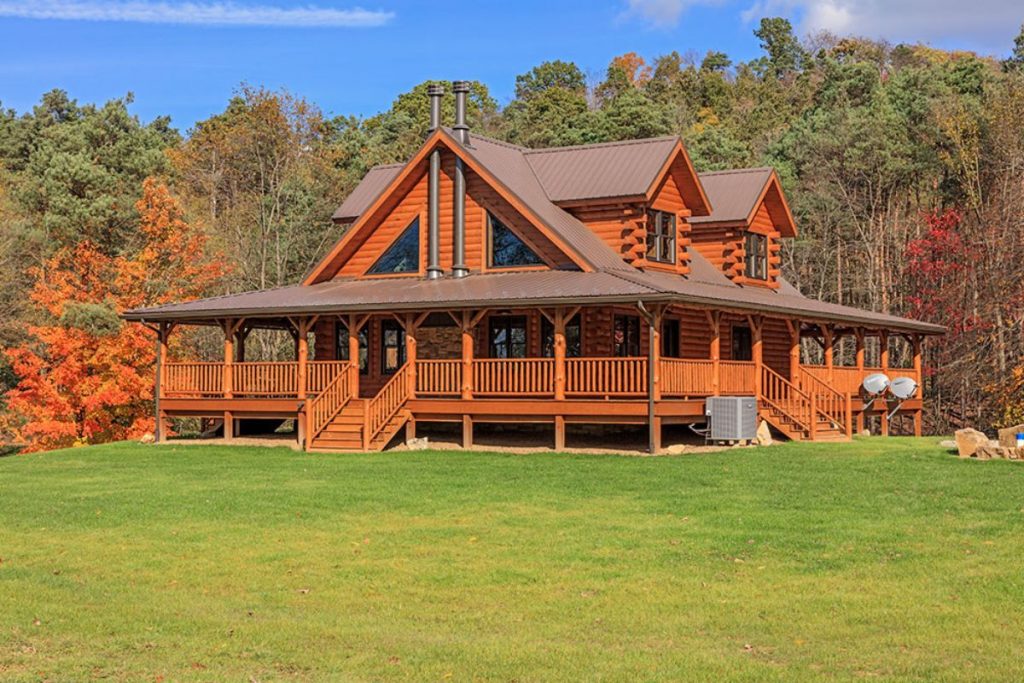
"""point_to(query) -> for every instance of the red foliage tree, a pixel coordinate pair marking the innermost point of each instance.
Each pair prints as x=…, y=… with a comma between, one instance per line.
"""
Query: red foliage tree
x=84, y=377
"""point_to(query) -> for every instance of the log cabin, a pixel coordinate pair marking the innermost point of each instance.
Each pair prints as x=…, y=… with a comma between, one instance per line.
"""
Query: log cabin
x=482, y=282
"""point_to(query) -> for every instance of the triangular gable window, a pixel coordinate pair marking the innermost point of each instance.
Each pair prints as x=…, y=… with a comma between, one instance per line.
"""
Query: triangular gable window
x=403, y=256
x=508, y=250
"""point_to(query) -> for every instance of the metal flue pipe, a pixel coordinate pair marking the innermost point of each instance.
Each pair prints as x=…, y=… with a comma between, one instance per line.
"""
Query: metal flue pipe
x=459, y=269
x=434, y=189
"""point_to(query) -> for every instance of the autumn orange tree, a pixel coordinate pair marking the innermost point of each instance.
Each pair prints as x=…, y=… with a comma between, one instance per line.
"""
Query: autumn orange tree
x=83, y=375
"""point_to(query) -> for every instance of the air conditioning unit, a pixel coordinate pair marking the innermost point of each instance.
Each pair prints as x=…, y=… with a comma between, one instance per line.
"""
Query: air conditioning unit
x=731, y=418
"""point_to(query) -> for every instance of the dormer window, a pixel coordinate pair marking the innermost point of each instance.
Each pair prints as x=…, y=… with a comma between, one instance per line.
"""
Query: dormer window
x=756, y=256
x=661, y=236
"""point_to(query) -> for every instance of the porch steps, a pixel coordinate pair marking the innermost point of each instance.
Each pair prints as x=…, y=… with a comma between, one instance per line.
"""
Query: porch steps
x=824, y=430
x=345, y=432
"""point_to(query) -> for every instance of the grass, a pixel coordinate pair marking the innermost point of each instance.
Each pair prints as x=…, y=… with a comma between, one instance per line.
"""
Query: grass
x=881, y=559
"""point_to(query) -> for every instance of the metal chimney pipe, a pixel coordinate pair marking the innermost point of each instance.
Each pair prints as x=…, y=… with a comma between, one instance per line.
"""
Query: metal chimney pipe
x=434, y=190
x=459, y=268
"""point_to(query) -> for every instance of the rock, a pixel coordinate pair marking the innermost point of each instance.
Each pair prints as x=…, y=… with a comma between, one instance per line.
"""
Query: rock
x=764, y=434
x=988, y=453
x=865, y=432
x=418, y=444
x=968, y=441
x=676, y=449
x=147, y=438
x=1015, y=453
x=1008, y=436
x=948, y=443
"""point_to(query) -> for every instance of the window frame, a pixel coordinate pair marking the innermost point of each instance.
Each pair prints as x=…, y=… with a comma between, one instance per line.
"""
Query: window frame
x=756, y=256
x=387, y=326
x=631, y=332
x=491, y=265
x=662, y=233
x=506, y=324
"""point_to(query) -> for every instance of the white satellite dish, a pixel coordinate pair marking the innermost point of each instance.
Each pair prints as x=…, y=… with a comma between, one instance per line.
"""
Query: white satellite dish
x=903, y=387
x=875, y=384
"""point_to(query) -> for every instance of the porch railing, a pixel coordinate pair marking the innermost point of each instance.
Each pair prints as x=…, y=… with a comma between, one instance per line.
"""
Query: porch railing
x=193, y=380
x=686, y=377
x=514, y=376
x=737, y=377
x=605, y=376
x=439, y=377
x=265, y=380
x=249, y=379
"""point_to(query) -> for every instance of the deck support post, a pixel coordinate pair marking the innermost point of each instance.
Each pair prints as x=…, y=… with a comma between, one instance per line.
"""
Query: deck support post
x=859, y=336
x=915, y=342
x=467, y=431
x=468, y=322
x=229, y=357
x=883, y=352
x=559, y=354
x=410, y=429
x=163, y=332
x=715, y=349
x=653, y=317
x=559, y=432
x=229, y=425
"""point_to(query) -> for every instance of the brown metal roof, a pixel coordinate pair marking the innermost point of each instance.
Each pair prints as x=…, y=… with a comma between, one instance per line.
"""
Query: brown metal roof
x=612, y=169
x=533, y=288
x=509, y=166
x=372, y=184
x=733, y=193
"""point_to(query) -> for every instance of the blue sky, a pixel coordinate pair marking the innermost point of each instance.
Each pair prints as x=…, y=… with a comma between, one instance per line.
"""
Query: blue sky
x=185, y=57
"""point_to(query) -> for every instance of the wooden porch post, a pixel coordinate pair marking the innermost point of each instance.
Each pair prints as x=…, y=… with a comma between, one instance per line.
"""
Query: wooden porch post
x=658, y=314
x=715, y=349
x=163, y=332
x=859, y=333
x=353, y=325
x=756, y=323
x=468, y=323
x=794, y=327
x=409, y=323
x=559, y=353
x=230, y=326
x=915, y=342
x=883, y=347
x=828, y=340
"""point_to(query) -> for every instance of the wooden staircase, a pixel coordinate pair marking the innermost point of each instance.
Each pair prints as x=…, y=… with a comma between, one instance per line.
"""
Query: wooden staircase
x=812, y=411
x=339, y=422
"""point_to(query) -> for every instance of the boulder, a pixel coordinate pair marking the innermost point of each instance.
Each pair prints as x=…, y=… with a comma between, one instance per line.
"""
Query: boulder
x=764, y=434
x=948, y=444
x=989, y=453
x=1008, y=436
x=147, y=438
x=968, y=441
x=418, y=444
x=865, y=432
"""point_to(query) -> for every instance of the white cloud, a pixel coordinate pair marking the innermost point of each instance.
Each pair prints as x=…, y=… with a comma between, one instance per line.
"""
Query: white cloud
x=210, y=13
x=662, y=13
x=984, y=23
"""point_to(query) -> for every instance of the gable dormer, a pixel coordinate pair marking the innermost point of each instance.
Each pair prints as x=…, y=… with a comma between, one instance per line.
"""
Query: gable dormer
x=636, y=195
x=743, y=236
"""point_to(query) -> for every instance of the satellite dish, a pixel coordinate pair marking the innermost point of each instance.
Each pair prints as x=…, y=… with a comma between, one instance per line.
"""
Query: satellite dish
x=903, y=387
x=875, y=384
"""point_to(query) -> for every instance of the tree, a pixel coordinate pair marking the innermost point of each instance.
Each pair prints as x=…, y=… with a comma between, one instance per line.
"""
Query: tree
x=784, y=53
x=547, y=75
x=83, y=376
x=1015, y=62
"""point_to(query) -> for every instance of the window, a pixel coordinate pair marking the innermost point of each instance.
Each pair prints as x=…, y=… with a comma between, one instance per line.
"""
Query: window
x=661, y=236
x=507, y=249
x=341, y=346
x=742, y=344
x=670, y=338
x=392, y=347
x=573, y=338
x=627, y=335
x=403, y=256
x=507, y=336
x=756, y=256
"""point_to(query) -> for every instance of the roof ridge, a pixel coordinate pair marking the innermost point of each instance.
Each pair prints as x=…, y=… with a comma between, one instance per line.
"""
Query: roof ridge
x=728, y=171
x=500, y=143
x=596, y=145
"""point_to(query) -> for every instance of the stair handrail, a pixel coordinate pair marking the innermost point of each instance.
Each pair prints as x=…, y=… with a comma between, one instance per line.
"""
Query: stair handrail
x=382, y=407
x=833, y=405
x=787, y=398
x=326, y=405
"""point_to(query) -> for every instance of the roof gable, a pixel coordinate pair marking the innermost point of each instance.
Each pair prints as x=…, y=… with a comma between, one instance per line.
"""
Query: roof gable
x=737, y=194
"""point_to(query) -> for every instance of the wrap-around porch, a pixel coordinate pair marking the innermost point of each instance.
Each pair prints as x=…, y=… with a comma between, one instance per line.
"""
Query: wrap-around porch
x=357, y=378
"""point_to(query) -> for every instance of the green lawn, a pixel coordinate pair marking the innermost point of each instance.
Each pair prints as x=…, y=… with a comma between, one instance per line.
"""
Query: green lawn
x=881, y=559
